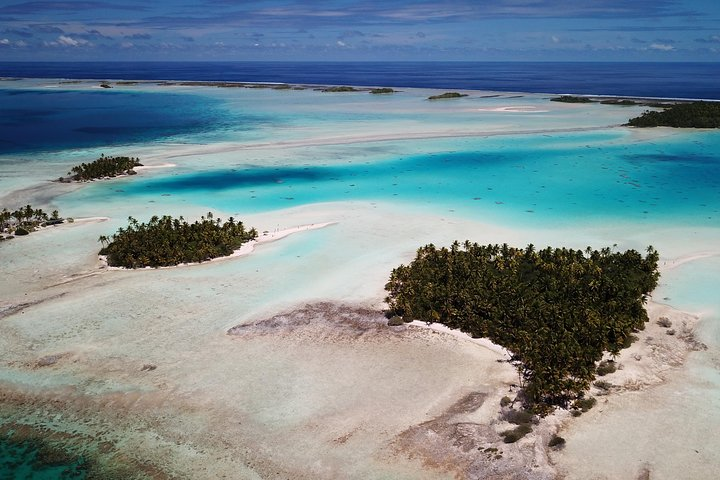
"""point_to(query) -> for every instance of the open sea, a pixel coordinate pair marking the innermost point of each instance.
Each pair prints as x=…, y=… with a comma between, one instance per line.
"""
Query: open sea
x=537, y=180
x=665, y=80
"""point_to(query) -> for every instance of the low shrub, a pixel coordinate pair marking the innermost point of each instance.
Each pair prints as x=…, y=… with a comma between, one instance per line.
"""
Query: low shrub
x=512, y=436
x=606, y=367
x=671, y=332
x=664, y=322
x=585, y=404
x=603, y=385
x=505, y=401
x=518, y=417
x=556, y=441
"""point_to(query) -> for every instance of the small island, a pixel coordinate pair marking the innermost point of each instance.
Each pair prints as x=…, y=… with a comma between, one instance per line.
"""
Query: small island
x=103, y=167
x=557, y=311
x=381, y=91
x=446, y=95
x=166, y=241
x=622, y=102
x=339, y=89
x=571, y=99
x=25, y=220
x=681, y=115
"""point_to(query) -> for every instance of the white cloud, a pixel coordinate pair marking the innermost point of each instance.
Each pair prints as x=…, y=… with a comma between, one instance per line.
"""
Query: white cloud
x=555, y=39
x=341, y=43
x=662, y=47
x=127, y=45
x=4, y=41
x=66, y=41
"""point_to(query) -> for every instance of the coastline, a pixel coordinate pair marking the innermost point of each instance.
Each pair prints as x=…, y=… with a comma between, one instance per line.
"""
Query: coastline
x=362, y=86
x=246, y=249
x=147, y=365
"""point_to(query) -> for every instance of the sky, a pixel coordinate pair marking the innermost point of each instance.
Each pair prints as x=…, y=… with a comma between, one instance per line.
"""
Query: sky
x=366, y=30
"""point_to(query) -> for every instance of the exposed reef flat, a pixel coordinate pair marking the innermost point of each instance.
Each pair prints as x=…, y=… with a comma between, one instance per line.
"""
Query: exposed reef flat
x=407, y=416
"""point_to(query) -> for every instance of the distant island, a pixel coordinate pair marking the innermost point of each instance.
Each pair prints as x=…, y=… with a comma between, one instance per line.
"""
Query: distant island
x=681, y=115
x=339, y=89
x=556, y=310
x=447, y=95
x=103, y=167
x=166, y=241
x=623, y=102
x=25, y=220
x=571, y=99
x=381, y=91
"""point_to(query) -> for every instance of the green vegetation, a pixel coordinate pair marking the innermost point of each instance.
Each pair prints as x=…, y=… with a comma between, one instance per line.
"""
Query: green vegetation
x=519, y=417
x=584, y=404
x=381, y=91
x=606, y=367
x=603, y=385
x=339, y=89
x=621, y=102
x=25, y=220
x=104, y=167
x=571, y=99
x=556, y=310
x=512, y=436
x=165, y=241
x=447, y=95
x=664, y=322
x=681, y=115
x=556, y=441
x=505, y=401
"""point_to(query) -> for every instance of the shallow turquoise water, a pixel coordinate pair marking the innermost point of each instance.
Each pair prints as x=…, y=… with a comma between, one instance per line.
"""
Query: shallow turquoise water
x=529, y=180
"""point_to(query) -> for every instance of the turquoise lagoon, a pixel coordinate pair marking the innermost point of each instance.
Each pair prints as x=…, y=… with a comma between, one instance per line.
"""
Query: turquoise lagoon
x=560, y=178
x=559, y=174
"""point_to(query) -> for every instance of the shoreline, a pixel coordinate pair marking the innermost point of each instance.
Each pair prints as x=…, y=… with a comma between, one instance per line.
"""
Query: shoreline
x=246, y=249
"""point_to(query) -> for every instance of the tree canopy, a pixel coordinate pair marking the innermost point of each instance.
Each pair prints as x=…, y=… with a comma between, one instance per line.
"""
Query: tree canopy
x=447, y=95
x=681, y=115
x=571, y=99
x=166, y=241
x=104, y=167
x=555, y=310
x=26, y=219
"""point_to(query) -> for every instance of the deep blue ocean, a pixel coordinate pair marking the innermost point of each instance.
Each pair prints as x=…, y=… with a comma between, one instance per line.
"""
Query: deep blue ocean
x=668, y=80
x=34, y=120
